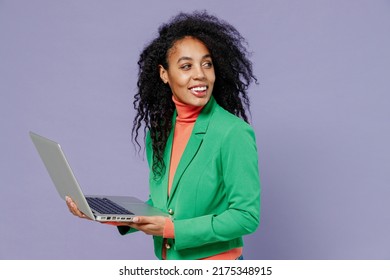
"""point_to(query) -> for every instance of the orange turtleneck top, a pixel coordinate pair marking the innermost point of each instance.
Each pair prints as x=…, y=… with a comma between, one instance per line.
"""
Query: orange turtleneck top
x=185, y=121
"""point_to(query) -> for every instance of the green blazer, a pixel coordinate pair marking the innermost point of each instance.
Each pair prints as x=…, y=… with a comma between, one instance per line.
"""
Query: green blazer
x=215, y=194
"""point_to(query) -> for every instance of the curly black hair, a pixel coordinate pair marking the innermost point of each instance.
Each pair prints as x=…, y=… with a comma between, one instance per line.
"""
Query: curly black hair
x=233, y=71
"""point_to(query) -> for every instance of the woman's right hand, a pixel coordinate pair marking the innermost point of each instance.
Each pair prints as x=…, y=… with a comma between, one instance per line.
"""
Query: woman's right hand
x=74, y=209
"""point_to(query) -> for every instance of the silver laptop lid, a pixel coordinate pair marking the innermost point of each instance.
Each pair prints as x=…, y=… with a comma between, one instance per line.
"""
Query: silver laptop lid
x=60, y=172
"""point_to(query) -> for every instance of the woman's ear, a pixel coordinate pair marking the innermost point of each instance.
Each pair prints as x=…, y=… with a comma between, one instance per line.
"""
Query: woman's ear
x=163, y=74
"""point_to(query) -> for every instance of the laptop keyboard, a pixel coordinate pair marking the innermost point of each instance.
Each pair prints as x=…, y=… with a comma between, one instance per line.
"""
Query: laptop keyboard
x=106, y=206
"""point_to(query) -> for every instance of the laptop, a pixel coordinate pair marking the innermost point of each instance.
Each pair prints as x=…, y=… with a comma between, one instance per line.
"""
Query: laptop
x=96, y=207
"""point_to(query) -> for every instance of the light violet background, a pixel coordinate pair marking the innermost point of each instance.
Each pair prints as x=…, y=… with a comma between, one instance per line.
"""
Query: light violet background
x=321, y=114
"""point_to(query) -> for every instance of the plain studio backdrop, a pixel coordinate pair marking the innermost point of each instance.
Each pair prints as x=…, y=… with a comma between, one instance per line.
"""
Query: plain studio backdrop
x=68, y=70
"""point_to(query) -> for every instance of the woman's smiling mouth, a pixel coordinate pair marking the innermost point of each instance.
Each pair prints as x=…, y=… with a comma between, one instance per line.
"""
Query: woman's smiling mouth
x=199, y=91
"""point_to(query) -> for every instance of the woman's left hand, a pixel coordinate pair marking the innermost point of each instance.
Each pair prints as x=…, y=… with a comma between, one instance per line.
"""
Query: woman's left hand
x=153, y=225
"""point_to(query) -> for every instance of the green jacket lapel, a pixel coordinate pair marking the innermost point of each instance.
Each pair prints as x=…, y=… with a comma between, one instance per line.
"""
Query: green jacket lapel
x=193, y=145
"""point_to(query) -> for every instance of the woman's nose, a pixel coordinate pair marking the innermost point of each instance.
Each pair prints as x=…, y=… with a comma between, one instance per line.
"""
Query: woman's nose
x=198, y=73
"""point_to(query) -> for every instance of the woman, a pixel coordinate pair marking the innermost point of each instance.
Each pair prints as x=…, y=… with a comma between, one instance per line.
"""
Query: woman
x=193, y=81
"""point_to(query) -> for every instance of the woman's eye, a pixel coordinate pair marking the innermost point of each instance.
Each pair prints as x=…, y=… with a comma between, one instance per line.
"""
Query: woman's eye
x=208, y=64
x=185, y=67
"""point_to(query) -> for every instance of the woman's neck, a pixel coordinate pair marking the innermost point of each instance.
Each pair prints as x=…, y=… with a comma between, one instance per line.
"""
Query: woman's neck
x=186, y=113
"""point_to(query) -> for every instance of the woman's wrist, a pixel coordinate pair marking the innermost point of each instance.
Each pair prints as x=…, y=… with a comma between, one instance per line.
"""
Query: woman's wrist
x=169, y=229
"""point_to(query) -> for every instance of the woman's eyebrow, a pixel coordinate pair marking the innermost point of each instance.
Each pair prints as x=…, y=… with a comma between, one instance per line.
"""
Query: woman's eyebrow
x=184, y=58
x=190, y=58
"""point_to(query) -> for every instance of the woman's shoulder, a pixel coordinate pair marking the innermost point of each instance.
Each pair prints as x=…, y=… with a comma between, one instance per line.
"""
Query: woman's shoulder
x=229, y=131
x=226, y=120
x=225, y=125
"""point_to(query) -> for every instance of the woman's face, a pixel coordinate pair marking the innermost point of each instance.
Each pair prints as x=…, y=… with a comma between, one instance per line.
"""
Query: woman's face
x=190, y=72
